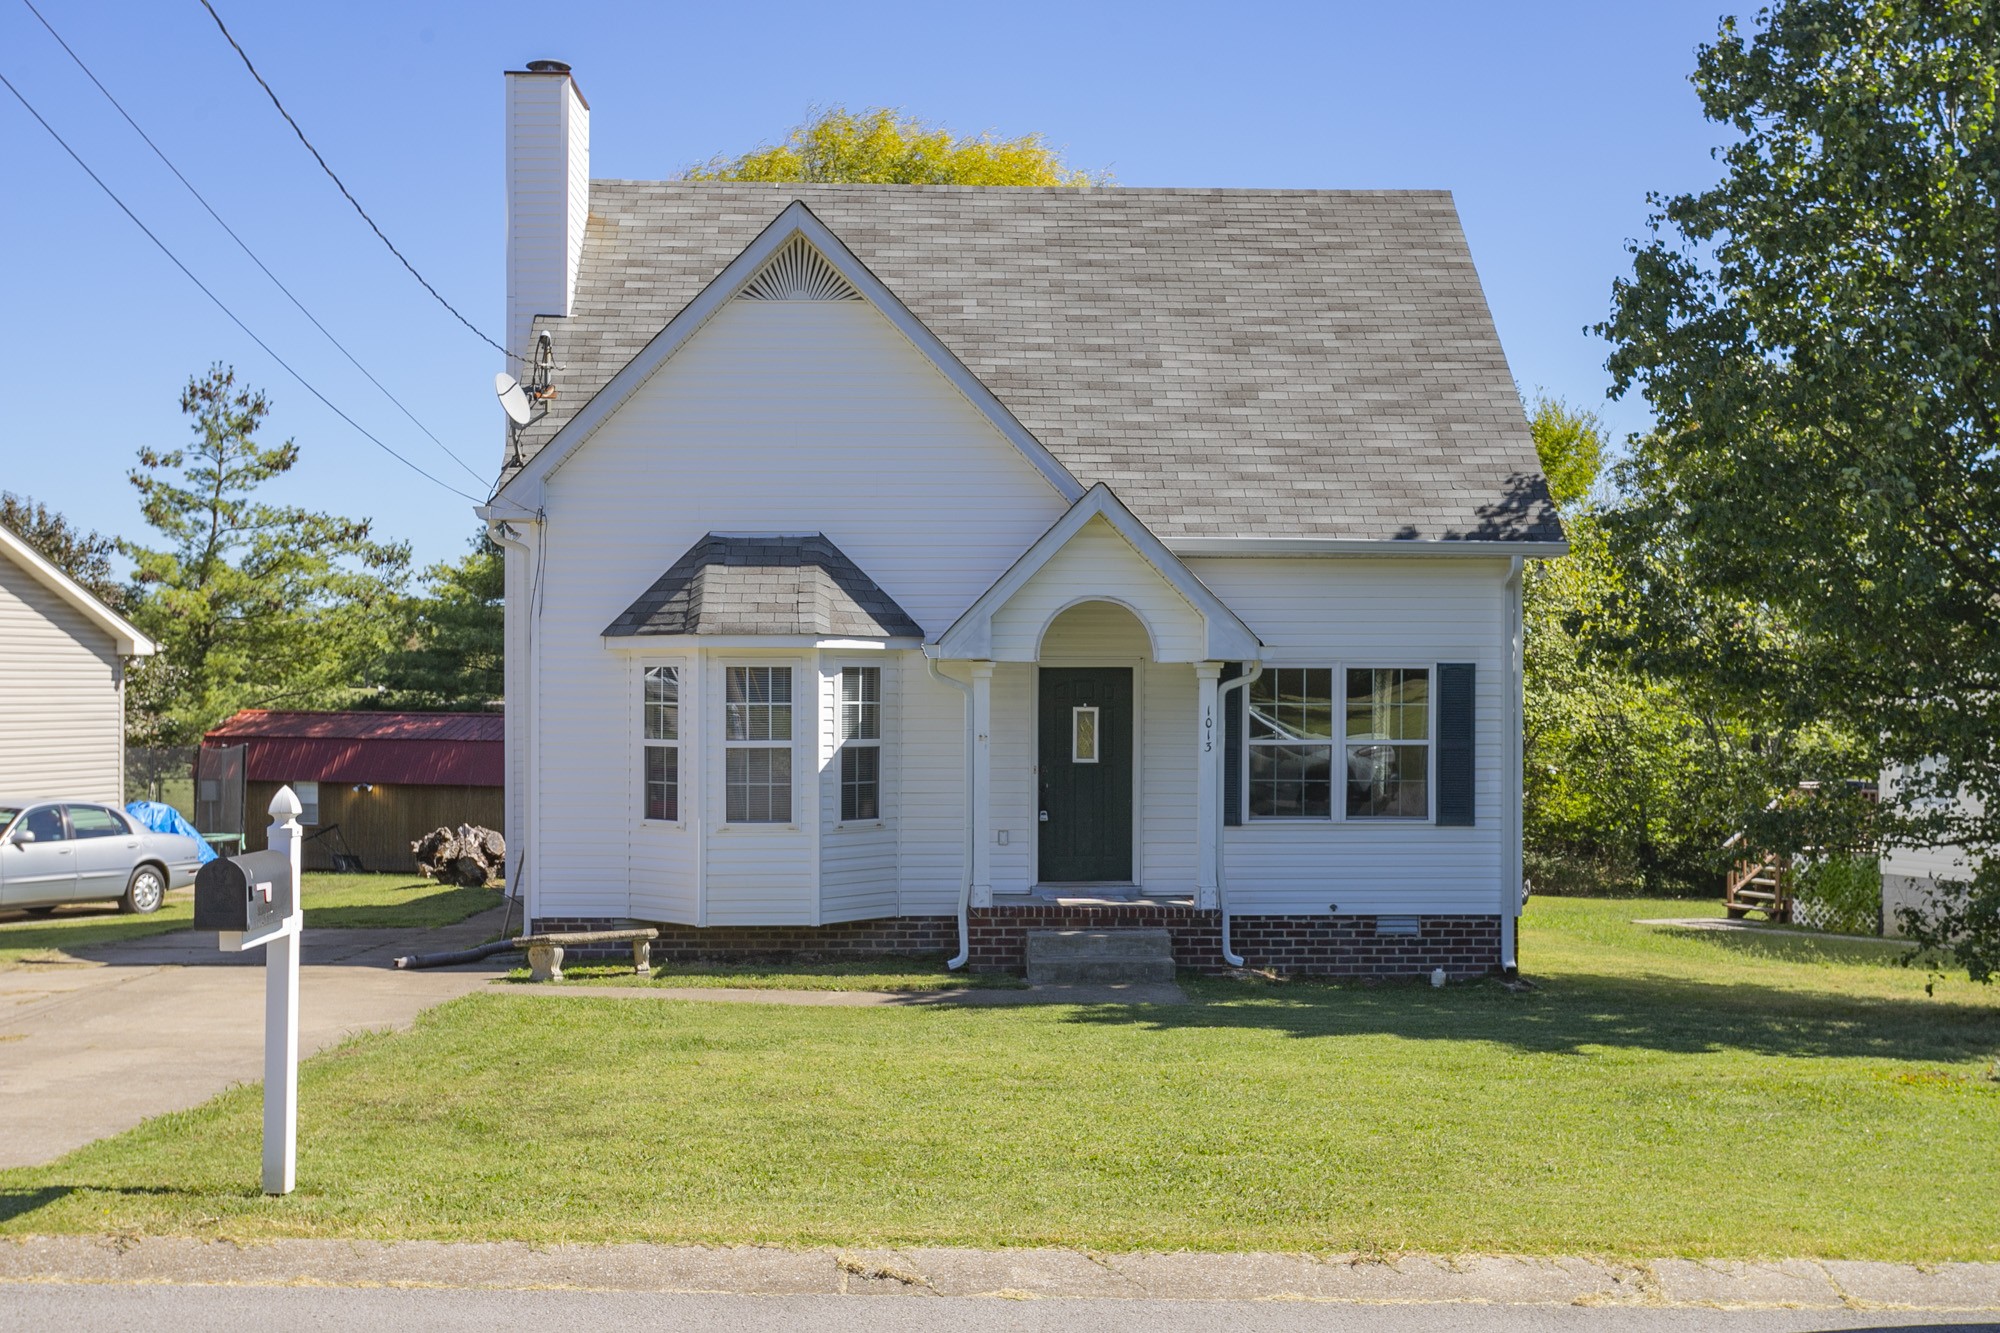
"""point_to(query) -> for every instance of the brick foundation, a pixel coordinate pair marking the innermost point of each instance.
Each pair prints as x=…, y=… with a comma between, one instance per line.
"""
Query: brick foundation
x=1338, y=946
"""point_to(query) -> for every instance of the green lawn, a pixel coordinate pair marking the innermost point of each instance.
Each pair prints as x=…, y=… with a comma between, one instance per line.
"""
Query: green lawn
x=366, y=901
x=1660, y=1092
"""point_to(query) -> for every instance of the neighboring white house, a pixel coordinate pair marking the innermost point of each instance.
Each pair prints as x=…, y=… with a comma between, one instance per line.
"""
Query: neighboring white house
x=893, y=566
x=1910, y=874
x=62, y=682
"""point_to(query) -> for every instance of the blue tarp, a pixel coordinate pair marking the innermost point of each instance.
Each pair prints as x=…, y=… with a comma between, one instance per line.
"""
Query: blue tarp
x=162, y=818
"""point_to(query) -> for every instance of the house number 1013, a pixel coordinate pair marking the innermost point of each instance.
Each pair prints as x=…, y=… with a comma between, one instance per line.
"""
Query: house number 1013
x=1207, y=729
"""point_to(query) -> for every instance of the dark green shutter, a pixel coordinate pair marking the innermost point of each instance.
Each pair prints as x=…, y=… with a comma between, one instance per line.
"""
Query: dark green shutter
x=1454, y=742
x=1232, y=748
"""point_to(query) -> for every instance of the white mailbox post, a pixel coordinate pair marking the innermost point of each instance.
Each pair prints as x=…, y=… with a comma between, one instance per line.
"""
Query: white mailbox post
x=253, y=900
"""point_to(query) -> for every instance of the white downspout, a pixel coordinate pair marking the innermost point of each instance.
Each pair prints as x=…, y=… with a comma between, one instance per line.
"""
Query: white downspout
x=1510, y=906
x=1229, y=956
x=531, y=572
x=965, y=882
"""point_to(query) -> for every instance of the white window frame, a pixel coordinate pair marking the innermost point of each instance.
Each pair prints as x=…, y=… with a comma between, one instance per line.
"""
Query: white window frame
x=1335, y=803
x=790, y=746
x=1076, y=715
x=683, y=787
x=1429, y=743
x=1339, y=744
x=843, y=743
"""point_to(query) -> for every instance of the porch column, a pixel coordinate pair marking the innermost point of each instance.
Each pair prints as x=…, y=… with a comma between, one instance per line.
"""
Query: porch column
x=1207, y=783
x=982, y=784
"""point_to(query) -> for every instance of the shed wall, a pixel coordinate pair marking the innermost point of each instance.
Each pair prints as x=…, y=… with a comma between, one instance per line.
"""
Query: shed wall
x=379, y=825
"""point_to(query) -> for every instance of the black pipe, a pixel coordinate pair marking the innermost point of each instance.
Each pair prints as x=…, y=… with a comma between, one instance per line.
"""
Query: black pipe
x=417, y=960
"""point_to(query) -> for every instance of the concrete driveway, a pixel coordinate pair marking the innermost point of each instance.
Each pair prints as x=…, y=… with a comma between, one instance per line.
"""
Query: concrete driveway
x=120, y=1032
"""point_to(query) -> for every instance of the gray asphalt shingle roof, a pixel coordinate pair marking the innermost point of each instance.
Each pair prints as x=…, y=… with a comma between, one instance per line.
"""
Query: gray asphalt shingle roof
x=766, y=584
x=1231, y=362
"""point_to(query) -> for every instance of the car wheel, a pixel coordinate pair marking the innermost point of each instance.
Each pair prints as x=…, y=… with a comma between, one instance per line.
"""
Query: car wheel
x=144, y=891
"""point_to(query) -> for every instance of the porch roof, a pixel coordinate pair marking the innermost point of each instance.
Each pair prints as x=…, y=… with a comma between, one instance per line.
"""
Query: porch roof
x=1126, y=564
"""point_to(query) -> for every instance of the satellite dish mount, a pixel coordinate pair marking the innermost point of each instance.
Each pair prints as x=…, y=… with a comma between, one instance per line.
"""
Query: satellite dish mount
x=527, y=403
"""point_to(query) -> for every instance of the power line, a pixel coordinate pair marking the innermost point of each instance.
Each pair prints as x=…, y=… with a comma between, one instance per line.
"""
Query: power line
x=189, y=273
x=245, y=245
x=477, y=332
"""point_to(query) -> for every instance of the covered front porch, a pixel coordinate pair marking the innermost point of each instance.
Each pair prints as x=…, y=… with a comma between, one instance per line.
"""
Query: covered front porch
x=1093, y=673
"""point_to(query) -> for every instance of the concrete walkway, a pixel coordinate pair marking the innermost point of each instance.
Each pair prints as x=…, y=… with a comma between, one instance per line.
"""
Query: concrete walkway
x=1011, y=1274
x=121, y=1032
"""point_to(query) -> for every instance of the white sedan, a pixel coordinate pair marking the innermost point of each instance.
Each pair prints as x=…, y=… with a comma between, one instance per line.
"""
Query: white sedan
x=54, y=852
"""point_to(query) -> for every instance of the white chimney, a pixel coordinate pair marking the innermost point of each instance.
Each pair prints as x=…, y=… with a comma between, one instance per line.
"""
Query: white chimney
x=548, y=196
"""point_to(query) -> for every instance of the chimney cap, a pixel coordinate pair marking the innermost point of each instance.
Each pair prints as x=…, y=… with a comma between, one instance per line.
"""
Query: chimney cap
x=547, y=67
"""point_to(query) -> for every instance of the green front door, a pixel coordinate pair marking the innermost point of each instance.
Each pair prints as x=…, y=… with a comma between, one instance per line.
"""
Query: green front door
x=1086, y=775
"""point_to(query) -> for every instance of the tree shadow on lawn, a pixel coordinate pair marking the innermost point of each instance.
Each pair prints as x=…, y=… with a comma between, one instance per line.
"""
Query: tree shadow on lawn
x=1671, y=1014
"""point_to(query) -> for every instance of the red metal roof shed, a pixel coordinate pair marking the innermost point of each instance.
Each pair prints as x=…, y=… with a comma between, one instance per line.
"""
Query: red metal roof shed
x=420, y=749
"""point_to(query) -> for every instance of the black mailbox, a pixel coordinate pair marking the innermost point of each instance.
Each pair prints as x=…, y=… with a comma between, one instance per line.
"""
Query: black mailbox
x=250, y=893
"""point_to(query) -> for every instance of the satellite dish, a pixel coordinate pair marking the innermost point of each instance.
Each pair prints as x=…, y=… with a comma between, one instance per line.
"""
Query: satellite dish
x=513, y=400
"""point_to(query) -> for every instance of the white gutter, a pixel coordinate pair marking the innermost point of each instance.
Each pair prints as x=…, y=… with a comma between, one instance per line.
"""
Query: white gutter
x=965, y=881
x=1456, y=548
x=1222, y=829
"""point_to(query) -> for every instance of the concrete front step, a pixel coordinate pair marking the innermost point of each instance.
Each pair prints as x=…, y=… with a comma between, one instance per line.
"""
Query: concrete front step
x=1099, y=957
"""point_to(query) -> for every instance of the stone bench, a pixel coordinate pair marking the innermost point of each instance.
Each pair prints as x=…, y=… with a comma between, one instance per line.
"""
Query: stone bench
x=545, y=951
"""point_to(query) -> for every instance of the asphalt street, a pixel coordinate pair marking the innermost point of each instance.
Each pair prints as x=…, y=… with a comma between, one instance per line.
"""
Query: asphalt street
x=170, y=1309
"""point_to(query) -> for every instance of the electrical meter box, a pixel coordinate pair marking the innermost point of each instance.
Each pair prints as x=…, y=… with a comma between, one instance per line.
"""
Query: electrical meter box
x=251, y=894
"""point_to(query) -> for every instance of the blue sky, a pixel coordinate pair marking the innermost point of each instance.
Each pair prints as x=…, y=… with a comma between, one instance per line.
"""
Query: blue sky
x=1550, y=123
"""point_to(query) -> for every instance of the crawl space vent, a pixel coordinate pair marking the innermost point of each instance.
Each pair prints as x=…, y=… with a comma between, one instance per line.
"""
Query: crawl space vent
x=1397, y=925
x=799, y=272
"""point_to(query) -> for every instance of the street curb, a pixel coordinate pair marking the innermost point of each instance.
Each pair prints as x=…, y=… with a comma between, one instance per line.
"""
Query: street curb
x=1034, y=1274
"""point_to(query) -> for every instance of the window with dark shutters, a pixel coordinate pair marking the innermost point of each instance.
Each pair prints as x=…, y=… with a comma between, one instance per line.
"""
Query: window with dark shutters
x=1455, y=743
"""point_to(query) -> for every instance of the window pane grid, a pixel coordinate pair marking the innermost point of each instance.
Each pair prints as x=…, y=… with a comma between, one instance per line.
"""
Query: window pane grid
x=861, y=703
x=663, y=703
x=1388, y=750
x=758, y=704
x=861, y=783
x=758, y=781
x=1291, y=744
x=663, y=782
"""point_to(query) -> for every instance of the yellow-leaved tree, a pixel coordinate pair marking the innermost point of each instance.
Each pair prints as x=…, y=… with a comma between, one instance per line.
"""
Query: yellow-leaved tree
x=883, y=146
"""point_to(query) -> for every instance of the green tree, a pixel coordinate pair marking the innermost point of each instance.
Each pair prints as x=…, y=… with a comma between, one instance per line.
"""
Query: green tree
x=451, y=652
x=84, y=556
x=1815, y=523
x=252, y=604
x=1625, y=783
x=885, y=147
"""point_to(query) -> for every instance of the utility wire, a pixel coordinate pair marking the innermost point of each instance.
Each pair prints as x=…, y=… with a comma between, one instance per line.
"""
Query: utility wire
x=189, y=273
x=477, y=332
x=245, y=245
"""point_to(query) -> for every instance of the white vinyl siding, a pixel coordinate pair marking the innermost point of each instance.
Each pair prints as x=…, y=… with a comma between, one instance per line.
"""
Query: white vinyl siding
x=1362, y=612
x=62, y=717
x=778, y=416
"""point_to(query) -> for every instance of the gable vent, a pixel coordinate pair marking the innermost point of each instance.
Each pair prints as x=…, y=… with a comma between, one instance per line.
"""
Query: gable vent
x=799, y=273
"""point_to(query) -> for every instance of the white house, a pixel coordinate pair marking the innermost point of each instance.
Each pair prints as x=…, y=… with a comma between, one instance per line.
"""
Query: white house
x=903, y=568
x=62, y=682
